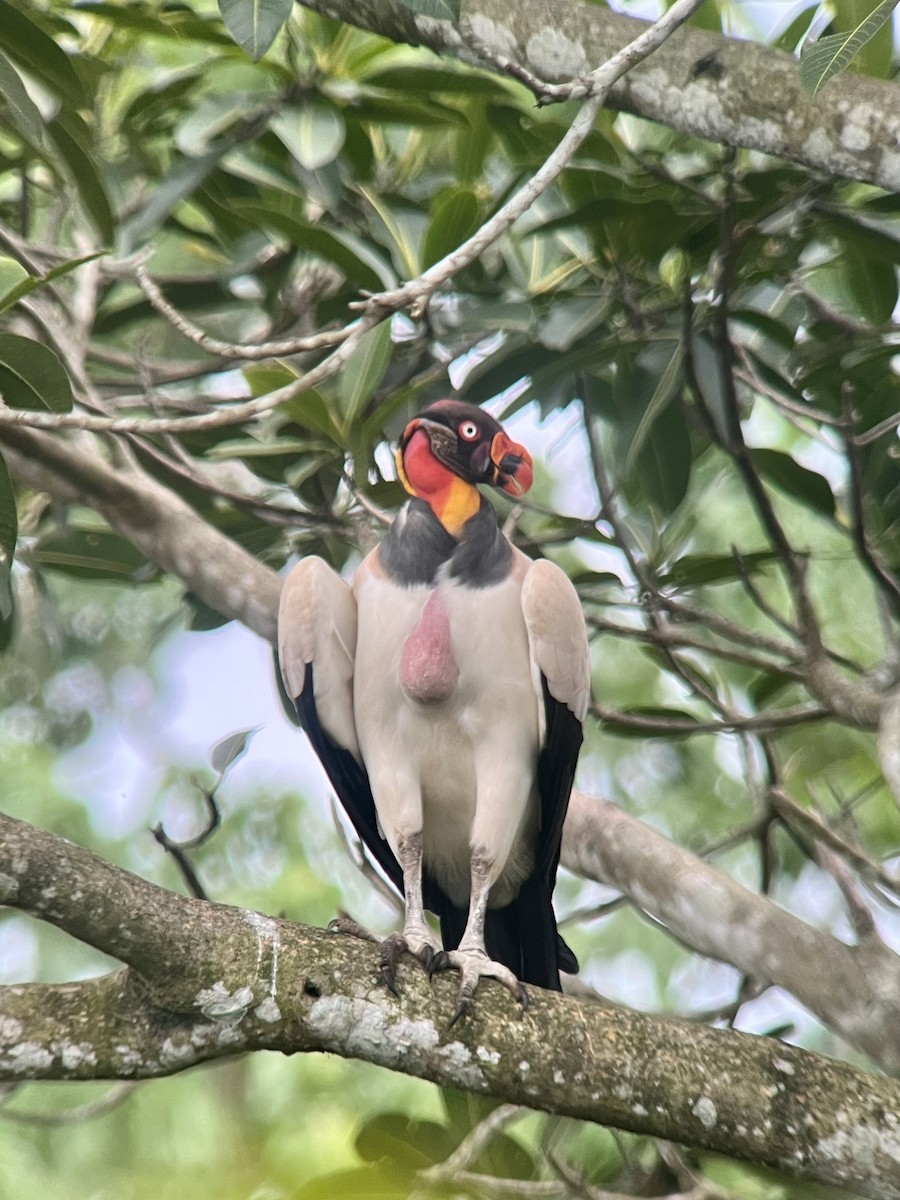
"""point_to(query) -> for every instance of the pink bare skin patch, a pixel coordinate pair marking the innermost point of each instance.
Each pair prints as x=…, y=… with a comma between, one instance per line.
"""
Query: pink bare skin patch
x=428, y=670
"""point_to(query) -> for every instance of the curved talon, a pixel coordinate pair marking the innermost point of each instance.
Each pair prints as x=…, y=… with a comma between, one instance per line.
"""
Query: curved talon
x=473, y=965
x=460, y=1011
x=345, y=924
x=396, y=944
x=391, y=949
x=440, y=962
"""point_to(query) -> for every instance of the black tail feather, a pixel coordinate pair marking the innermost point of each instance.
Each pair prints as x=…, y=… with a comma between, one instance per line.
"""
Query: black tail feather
x=522, y=935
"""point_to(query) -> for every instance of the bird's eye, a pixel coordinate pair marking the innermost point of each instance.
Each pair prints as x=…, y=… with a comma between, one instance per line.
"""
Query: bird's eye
x=469, y=431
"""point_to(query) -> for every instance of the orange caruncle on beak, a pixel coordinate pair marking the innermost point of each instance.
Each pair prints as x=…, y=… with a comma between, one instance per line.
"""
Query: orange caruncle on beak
x=513, y=472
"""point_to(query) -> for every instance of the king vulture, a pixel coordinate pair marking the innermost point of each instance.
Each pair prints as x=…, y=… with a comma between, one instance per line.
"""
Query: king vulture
x=444, y=691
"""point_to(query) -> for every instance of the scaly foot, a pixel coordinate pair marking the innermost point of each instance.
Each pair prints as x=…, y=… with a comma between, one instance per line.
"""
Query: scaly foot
x=474, y=964
x=415, y=940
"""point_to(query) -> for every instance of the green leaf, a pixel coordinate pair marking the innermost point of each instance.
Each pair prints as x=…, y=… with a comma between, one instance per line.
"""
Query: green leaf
x=696, y=569
x=471, y=144
x=212, y=117
x=874, y=58
x=230, y=749
x=178, y=22
x=804, y=485
x=72, y=139
x=310, y=411
x=26, y=283
x=254, y=24
x=19, y=109
x=184, y=179
x=767, y=685
x=373, y=1182
x=8, y=534
x=454, y=216
x=660, y=469
x=437, y=80
x=315, y=239
x=263, y=378
x=31, y=376
x=27, y=43
x=12, y=276
x=857, y=285
x=795, y=30
x=400, y=1139
x=313, y=133
x=89, y=554
x=829, y=56
x=364, y=371
x=663, y=466
x=666, y=388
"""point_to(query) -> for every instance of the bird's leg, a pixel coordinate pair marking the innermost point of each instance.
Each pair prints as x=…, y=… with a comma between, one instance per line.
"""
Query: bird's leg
x=471, y=958
x=416, y=937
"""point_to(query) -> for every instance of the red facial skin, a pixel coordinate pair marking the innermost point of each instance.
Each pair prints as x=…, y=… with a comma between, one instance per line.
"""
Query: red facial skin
x=441, y=461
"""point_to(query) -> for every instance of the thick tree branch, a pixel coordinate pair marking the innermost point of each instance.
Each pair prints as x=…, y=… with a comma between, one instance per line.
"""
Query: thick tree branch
x=233, y=981
x=854, y=990
x=153, y=518
x=736, y=93
x=700, y=906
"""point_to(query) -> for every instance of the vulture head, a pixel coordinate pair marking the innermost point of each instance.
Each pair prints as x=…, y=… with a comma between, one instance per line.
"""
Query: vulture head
x=466, y=441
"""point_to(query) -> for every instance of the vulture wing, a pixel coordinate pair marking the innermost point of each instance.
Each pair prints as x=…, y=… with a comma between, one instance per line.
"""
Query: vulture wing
x=316, y=649
x=560, y=663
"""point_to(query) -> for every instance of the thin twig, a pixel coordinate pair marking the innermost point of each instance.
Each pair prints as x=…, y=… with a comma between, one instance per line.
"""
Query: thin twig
x=673, y=635
x=857, y=910
x=886, y=581
x=415, y=293
x=223, y=416
x=729, y=433
x=794, y=816
x=231, y=350
x=473, y=1144
x=178, y=850
x=679, y=727
x=76, y=1115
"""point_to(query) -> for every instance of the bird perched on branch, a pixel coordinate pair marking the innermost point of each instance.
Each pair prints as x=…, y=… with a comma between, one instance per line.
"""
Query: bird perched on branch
x=444, y=692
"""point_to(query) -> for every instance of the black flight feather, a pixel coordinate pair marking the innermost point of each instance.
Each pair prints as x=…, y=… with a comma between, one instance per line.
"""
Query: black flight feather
x=349, y=780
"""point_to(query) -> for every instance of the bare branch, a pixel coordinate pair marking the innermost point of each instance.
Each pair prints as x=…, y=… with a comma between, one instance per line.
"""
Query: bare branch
x=860, y=914
x=681, y=727
x=473, y=1144
x=812, y=824
x=214, y=346
x=716, y=916
x=154, y=519
x=230, y=981
x=73, y=1116
x=221, y=417
x=735, y=92
x=676, y=635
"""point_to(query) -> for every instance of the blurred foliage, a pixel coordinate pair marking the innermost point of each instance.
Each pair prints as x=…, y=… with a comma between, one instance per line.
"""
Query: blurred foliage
x=273, y=170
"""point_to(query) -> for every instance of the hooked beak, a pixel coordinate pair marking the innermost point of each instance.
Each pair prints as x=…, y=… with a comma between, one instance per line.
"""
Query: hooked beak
x=513, y=472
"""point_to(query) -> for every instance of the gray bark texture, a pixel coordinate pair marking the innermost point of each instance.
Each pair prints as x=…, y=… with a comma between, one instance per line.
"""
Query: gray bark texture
x=854, y=990
x=728, y=91
x=203, y=981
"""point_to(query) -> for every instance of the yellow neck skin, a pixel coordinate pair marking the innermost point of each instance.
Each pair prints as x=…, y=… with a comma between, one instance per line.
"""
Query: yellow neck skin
x=451, y=499
x=456, y=505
